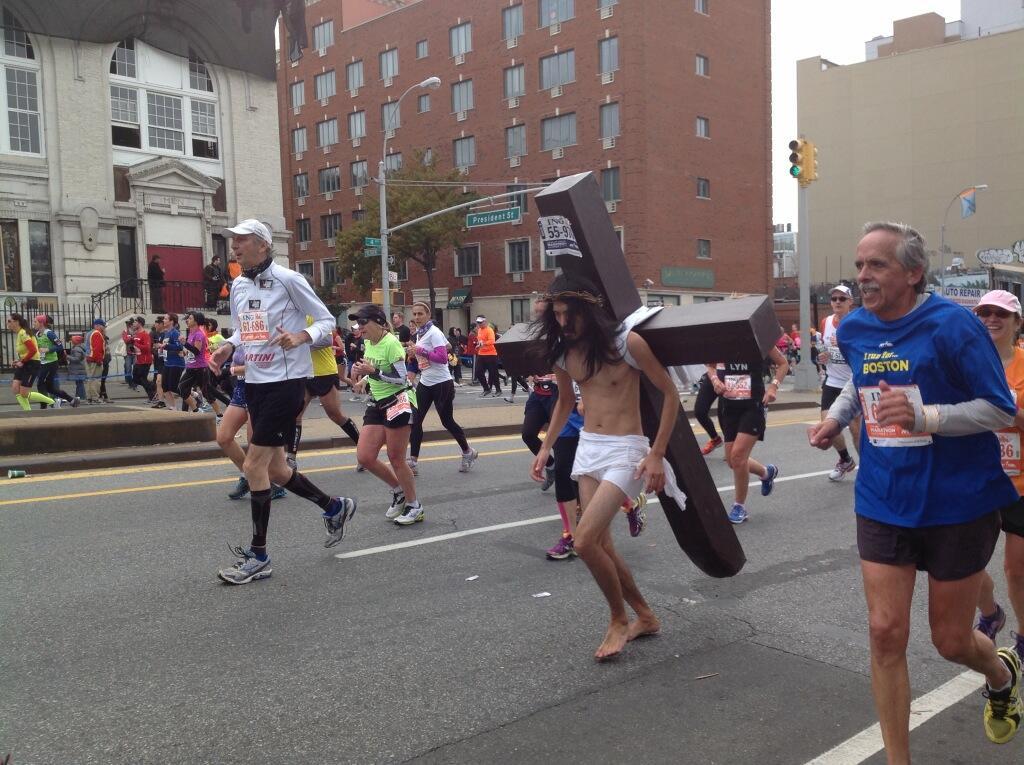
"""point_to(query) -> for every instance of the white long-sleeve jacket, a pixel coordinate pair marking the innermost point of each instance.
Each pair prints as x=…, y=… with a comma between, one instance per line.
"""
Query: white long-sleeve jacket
x=277, y=297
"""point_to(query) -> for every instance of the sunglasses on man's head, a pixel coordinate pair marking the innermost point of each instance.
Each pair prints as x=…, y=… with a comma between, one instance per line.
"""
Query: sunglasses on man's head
x=839, y=298
x=999, y=313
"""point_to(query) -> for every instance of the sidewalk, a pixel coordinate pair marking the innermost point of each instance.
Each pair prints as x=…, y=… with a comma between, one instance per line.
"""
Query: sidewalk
x=479, y=418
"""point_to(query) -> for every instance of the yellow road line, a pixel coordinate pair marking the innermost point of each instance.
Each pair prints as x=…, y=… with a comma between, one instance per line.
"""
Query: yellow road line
x=209, y=481
x=192, y=464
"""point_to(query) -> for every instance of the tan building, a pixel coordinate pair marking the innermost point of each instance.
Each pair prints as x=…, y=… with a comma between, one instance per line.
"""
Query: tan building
x=901, y=134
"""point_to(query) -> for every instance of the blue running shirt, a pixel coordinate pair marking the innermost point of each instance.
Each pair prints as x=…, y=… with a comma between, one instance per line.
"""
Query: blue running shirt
x=943, y=350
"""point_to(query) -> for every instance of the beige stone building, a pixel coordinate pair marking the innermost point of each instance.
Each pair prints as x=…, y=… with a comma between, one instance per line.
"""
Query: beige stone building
x=935, y=108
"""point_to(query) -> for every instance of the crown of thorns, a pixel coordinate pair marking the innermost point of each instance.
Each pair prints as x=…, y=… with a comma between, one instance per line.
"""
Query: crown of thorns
x=586, y=297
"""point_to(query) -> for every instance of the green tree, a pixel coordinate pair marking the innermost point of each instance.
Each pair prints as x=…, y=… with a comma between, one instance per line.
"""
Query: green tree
x=421, y=243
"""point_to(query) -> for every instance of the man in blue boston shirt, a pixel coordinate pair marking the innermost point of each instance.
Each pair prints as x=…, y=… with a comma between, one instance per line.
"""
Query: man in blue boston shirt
x=931, y=389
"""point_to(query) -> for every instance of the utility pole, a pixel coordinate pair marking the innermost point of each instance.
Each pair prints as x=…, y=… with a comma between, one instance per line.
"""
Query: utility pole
x=804, y=169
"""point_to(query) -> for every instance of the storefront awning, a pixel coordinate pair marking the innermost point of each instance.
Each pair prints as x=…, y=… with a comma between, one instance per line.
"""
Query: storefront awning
x=459, y=298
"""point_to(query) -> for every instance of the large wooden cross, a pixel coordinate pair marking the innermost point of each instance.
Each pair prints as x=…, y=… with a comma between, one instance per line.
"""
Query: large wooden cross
x=730, y=330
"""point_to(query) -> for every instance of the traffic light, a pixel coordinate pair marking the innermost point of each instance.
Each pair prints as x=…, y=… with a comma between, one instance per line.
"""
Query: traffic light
x=397, y=297
x=803, y=160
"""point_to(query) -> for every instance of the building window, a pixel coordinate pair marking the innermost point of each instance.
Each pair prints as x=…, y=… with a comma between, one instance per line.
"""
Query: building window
x=124, y=112
x=423, y=103
x=520, y=310
x=512, y=22
x=39, y=255
x=609, y=114
x=559, y=69
x=557, y=132
x=357, y=125
x=704, y=188
x=122, y=63
x=607, y=3
x=556, y=11
x=354, y=75
x=517, y=256
x=460, y=39
x=393, y=162
x=701, y=6
x=656, y=300
x=610, y=184
x=462, y=96
x=703, y=127
x=358, y=174
x=329, y=272
x=10, y=256
x=467, y=260
x=204, y=129
x=465, y=151
x=428, y=157
x=389, y=64
x=704, y=249
x=327, y=132
x=299, y=140
x=515, y=141
x=519, y=200
x=402, y=269
x=515, y=81
x=358, y=215
x=330, y=180
x=297, y=94
x=303, y=230
x=325, y=86
x=16, y=41
x=703, y=66
x=165, y=123
x=390, y=116
x=23, y=110
x=608, y=54
x=323, y=35
x=306, y=269
x=330, y=225
x=198, y=75
x=422, y=49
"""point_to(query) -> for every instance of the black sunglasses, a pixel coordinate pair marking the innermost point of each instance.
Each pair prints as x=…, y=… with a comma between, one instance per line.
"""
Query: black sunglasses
x=999, y=313
x=839, y=298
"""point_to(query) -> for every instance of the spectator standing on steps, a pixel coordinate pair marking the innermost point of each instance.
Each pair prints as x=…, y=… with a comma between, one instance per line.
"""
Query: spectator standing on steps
x=155, y=276
x=213, y=280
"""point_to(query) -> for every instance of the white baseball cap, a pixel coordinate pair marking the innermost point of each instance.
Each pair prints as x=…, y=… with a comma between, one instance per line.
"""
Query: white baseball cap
x=252, y=226
x=841, y=288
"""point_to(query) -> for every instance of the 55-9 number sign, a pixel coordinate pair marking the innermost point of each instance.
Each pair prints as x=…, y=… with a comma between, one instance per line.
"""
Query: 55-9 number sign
x=557, y=235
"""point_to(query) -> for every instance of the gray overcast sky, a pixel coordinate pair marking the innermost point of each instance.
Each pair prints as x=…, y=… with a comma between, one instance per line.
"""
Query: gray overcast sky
x=832, y=29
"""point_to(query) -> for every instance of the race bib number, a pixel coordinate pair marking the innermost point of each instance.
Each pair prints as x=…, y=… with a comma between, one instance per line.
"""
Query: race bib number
x=401, y=406
x=254, y=327
x=835, y=356
x=1009, y=451
x=189, y=357
x=557, y=235
x=891, y=435
x=737, y=387
x=423, y=362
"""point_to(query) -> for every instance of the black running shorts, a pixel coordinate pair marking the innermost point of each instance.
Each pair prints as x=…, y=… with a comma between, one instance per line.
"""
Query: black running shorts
x=829, y=394
x=171, y=378
x=322, y=385
x=734, y=419
x=26, y=374
x=1013, y=518
x=374, y=416
x=948, y=553
x=273, y=409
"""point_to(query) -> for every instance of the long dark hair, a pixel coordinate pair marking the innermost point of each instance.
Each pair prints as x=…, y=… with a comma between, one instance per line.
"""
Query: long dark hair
x=596, y=340
x=22, y=321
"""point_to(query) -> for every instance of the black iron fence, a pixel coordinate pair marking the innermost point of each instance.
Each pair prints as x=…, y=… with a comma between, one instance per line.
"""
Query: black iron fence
x=68, y=319
x=819, y=292
x=137, y=296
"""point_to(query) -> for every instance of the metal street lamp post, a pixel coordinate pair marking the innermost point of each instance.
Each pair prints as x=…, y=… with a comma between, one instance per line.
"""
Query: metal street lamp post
x=430, y=82
x=942, y=232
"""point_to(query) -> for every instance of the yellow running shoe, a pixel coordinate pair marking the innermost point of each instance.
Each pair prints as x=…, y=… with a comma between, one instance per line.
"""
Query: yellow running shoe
x=1003, y=711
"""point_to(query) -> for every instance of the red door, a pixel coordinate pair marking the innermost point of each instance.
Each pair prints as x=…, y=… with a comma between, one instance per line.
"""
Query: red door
x=183, y=271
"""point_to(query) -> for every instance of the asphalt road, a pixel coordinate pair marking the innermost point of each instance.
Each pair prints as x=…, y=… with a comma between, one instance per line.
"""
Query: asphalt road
x=119, y=645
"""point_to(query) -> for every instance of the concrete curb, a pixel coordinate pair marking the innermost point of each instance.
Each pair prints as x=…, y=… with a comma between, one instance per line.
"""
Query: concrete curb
x=165, y=453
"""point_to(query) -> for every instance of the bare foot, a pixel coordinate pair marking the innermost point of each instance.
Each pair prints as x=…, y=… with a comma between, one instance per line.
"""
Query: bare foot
x=614, y=641
x=643, y=627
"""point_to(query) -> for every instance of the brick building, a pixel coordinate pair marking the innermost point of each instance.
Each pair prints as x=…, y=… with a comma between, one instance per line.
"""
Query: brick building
x=667, y=101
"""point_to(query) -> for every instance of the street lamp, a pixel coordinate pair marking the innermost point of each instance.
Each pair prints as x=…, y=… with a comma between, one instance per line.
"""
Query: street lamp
x=432, y=83
x=942, y=232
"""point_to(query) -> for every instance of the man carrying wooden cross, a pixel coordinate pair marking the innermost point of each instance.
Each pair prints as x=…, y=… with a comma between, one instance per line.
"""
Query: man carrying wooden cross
x=614, y=460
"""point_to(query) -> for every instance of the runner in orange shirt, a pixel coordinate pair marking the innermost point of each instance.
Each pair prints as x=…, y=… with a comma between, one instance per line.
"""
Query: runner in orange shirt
x=1000, y=312
x=486, y=359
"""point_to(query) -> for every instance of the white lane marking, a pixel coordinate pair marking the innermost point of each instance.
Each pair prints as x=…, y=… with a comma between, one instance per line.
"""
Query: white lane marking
x=868, y=742
x=527, y=522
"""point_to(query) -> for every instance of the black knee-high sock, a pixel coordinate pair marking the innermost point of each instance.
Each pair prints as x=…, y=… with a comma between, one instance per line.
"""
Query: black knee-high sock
x=351, y=431
x=259, y=501
x=296, y=438
x=303, y=487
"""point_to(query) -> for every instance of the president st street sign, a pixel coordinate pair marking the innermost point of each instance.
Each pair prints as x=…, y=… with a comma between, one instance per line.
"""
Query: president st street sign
x=494, y=217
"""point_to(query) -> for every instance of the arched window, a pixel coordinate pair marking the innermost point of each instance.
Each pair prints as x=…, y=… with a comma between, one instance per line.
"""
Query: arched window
x=152, y=111
x=19, y=89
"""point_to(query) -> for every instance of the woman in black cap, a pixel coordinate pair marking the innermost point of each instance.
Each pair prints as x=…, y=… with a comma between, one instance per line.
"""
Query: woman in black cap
x=388, y=417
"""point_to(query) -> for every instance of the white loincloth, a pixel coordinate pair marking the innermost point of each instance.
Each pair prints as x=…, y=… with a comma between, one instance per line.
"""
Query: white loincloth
x=615, y=459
